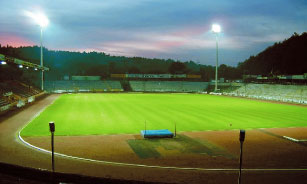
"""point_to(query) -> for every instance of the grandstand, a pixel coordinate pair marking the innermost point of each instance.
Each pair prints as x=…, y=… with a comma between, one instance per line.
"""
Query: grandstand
x=3, y=102
x=19, y=89
x=61, y=86
x=275, y=92
x=14, y=93
x=168, y=86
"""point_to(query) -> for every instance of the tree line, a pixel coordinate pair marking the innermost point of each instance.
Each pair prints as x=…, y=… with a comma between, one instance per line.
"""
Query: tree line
x=101, y=64
x=283, y=58
x=287, y=57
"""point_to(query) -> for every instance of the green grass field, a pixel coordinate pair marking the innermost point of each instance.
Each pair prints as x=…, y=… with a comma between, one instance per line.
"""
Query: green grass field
x=96, y=114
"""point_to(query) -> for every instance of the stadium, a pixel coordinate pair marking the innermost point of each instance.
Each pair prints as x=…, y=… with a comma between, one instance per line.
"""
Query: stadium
x=91, y=117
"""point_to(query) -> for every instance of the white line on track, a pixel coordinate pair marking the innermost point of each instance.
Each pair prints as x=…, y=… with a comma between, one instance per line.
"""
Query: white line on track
x=37, y=114
x=143, y=165
x=294, y=140
x=152, y=166
x=290, y=138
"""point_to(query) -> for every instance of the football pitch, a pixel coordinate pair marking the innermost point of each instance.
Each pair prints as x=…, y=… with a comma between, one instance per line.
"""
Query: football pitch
x=126, y=113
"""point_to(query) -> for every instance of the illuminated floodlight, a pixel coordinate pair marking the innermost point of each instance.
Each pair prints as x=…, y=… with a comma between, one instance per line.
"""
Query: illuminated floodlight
x=3, y=62
x=27, y=67
x=20, y=66
x=43, y=21
x=39, y=18
x=216, y=28
x=35, y=69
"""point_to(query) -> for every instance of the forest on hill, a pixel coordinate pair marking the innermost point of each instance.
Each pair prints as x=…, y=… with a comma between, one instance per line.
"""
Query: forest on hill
x=283, y=58
x=69, y=63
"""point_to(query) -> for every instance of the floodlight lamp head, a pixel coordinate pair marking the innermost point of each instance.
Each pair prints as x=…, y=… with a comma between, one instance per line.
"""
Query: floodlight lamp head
x=216, y=28
x=39, y=18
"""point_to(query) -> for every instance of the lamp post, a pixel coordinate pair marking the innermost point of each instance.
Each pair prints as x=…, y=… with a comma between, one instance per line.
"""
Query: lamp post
x=216, y=29
x=42, y=21
x=242, y=137
x=52, y=130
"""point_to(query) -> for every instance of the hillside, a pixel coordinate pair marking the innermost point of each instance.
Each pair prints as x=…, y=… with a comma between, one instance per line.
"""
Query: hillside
x=287, y=57
x=98, y=63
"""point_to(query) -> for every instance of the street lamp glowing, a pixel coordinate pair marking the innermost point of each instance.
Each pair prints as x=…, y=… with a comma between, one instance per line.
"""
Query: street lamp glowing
x=216, y=28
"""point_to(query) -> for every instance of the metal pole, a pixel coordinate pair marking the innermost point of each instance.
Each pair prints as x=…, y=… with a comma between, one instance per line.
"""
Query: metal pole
x=241, y=155
x=52, y=150
x=42, y=62
x=145, y=127
x=217, y=58
x=175, y=129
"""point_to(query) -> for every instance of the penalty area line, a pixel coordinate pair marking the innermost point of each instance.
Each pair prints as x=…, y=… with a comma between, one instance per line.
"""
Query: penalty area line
x=150, y=166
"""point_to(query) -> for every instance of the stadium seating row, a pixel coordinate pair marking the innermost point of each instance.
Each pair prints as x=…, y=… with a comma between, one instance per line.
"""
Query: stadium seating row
x=82, y=86
x=17, y=88
x=138, y=86
x=3, y=102
x=276, y=92
x=168, y=86
x=14, y=93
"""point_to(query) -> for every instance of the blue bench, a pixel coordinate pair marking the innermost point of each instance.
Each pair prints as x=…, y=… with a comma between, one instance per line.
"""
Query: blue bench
x=157, y=133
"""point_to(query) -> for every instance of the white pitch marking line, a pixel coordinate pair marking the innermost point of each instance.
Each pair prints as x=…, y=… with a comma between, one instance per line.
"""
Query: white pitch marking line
x=152, y=166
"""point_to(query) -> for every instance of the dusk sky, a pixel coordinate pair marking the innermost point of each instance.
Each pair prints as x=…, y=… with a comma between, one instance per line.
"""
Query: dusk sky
x=176, y=29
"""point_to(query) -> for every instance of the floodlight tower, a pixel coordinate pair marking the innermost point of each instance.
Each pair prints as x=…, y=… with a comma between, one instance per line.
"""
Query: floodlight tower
x=216, y=29
x=42, y=21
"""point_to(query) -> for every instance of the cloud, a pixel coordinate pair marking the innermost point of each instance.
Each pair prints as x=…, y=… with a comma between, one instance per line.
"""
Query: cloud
x=15, y=41
x=156, y=28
